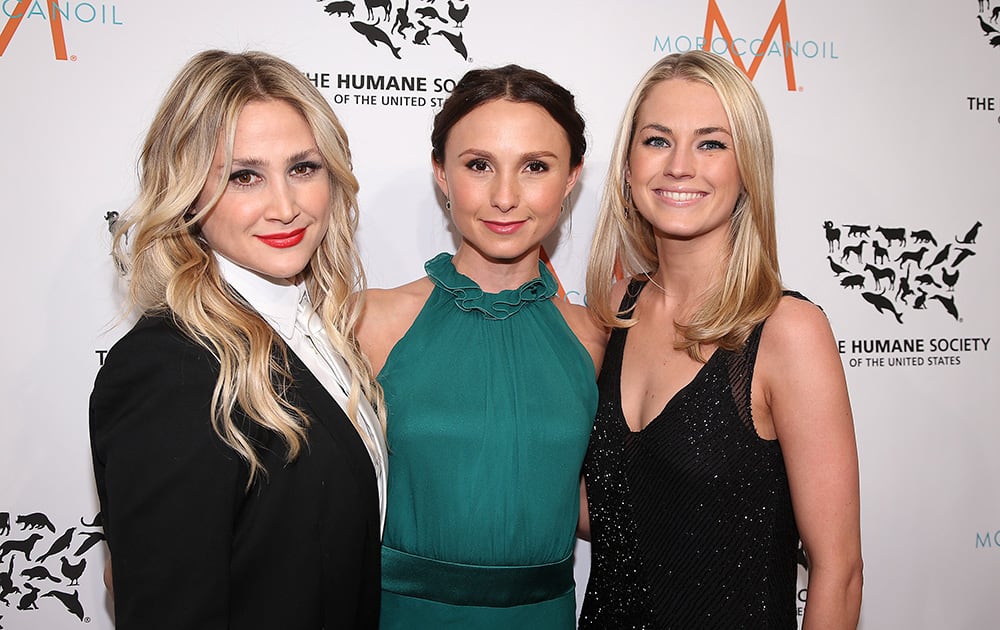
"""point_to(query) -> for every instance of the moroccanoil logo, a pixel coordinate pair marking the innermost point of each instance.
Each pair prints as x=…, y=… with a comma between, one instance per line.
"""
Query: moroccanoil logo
x=748, y=52
x=54, y=13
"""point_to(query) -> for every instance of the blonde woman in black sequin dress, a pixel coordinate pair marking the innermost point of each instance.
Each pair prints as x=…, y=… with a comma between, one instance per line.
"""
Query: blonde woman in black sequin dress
x=724, y=432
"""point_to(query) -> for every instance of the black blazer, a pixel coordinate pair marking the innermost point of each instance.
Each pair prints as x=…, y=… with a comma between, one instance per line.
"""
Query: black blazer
x=191, y=547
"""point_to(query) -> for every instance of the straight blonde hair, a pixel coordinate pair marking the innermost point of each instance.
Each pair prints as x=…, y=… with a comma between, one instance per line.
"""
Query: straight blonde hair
x=171, y=269
x=750, y=287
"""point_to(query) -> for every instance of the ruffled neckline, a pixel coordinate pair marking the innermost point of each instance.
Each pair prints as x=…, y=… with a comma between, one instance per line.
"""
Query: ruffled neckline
x=469, y=297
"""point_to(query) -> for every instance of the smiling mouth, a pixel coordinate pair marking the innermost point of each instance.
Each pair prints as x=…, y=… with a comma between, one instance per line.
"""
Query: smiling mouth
x=281, y=241
x=680, y=196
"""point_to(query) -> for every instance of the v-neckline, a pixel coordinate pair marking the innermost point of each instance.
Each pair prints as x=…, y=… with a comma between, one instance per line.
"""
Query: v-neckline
x=621, y=406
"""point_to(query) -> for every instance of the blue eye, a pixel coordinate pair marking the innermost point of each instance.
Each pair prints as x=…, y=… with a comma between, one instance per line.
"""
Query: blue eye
x=714, y=144
x=656, y=141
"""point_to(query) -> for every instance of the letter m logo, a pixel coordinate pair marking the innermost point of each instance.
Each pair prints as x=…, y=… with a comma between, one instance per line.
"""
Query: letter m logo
x=55, y=25
x=714, y=18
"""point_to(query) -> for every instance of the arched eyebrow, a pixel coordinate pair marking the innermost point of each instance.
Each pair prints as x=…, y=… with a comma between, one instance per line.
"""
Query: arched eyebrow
x=701, y=131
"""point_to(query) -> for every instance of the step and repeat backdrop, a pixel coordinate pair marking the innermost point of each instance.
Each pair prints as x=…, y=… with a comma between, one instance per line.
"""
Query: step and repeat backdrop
x=887, y=128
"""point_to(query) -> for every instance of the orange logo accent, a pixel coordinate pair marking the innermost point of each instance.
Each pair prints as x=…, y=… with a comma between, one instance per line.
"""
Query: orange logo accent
x=714, y=18
x=55, y=25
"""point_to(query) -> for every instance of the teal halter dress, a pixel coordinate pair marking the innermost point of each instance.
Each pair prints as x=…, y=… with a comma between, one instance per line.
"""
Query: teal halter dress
x=490, y=401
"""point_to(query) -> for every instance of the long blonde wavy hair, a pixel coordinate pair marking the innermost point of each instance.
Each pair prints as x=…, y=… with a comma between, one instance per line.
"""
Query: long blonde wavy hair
x=750, y=287
x=171, y=270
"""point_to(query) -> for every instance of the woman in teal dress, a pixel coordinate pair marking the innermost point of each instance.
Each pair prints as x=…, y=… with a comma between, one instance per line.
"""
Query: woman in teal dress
x=489, y=378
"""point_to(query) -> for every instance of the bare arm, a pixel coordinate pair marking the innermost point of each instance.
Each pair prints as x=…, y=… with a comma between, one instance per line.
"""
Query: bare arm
x=806, y=404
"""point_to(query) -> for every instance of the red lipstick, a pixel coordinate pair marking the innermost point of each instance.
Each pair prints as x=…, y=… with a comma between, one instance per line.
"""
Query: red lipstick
x=283, y=240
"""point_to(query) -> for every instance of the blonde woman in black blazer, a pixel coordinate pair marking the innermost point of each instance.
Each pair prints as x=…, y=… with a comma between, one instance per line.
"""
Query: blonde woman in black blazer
x=238, y=461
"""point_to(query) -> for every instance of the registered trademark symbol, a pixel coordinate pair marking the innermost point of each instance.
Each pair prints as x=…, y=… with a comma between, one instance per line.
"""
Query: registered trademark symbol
x=998, y=119
x=801, y=89
x=72, y=58
x=86, y=620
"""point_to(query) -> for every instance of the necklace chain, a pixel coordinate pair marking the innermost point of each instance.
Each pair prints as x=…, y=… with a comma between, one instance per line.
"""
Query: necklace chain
x=655, y=283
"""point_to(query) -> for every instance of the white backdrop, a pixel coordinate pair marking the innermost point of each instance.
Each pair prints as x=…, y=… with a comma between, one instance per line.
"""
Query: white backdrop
x=886, y=116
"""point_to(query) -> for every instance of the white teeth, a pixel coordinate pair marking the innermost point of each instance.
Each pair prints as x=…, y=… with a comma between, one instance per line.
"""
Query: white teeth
x=681, y=196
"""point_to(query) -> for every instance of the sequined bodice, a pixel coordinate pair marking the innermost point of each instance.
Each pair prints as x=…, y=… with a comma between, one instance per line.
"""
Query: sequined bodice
x=691, y=517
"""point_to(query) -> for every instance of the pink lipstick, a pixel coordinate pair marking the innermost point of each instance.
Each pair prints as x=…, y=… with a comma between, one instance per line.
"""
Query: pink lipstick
x=504, y=228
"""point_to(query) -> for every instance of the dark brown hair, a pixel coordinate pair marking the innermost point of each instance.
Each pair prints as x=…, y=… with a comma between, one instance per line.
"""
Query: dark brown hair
x=516, y=84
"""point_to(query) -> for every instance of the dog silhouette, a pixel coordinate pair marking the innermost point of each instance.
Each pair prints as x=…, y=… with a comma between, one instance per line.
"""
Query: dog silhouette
x=914, y=256
x=853, y=249
x=881, y=254
x=24, y=546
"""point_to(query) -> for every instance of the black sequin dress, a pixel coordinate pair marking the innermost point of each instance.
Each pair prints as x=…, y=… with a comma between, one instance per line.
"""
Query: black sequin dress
x=691, y=517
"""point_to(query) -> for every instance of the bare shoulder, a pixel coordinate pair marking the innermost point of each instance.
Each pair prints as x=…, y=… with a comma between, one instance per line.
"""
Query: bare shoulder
x=797, y=326
x=387, y=315
x=593, y=336
x=618, y=293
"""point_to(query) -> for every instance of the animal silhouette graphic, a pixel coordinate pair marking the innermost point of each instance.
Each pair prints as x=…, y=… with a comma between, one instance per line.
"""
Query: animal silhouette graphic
x=987, y=29
x=430, y=13
x=35, y=520
x=4, y=523
x=375, y=36
x=420, y=37
x=880, y=255
x=854, y=281
x=7, y=587
x=994, y=15
x=879, y=274
x=837, y=269
x=70, y=600
x=904, y=290
x=385, y=5
x=39, y=572
x=970, y=236
x=912, y=256
x=402, y=20
x=457, y=14
x=456, y=42
x=948, y=303
x=949, y=279
x=97, y=522
x=963, y=253
x=24, y=546
x=892, y=234
x=72, y=572
x=882, y=304
x=923, y=236
x=59, y=544
x=832, y=235
x=857, y=250
x=920, y=302
x=29, y=601
x=941, y=256
x=340, y=8
x=925, y=278
x=90, y=539
x=857, y=230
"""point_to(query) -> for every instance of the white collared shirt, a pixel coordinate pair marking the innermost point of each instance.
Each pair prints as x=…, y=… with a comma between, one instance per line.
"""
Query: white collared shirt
x=279, y=305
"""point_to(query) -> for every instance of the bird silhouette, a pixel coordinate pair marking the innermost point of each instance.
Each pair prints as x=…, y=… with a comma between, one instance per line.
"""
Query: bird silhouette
x=837, y=269
x=948, y=303
x=987, y=29
x=70, y=600
x=963, y=253
x=457, y=14
x=72, y=572
x=949, y=279
x=59, y=545
x=940, y=257
x=92, y=538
